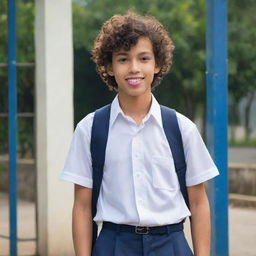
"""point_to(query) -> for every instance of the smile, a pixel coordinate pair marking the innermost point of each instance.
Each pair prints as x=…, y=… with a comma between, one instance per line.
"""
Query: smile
x=134, y=81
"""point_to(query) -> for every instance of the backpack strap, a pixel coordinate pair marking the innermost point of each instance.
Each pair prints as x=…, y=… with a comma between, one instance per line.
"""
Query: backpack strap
x=173, y=135
x=99, y=137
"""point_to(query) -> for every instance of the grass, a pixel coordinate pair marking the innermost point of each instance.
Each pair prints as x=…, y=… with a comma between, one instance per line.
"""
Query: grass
x=3, y=167
x=243, y=143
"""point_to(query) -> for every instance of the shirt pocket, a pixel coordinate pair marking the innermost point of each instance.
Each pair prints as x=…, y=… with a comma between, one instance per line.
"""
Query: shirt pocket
x=163, y=173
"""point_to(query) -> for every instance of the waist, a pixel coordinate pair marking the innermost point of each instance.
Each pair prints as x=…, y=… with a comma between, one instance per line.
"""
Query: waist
x=143, y=230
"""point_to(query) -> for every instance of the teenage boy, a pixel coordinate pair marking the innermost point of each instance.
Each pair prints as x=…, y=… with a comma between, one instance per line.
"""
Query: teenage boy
x=140, y=201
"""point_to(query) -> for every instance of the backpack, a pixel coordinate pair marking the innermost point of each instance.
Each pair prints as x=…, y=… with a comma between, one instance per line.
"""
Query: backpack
x=99, y=137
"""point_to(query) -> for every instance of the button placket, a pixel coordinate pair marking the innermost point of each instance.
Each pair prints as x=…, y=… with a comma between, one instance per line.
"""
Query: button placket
x=137, y=161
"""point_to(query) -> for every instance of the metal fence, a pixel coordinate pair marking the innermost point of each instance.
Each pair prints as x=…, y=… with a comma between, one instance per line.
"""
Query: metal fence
x=12, y=118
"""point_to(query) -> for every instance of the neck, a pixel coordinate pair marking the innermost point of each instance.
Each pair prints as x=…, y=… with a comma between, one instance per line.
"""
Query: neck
x=135, y=106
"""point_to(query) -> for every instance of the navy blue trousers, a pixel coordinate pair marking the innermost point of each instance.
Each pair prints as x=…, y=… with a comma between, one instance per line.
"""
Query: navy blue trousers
x=116, y=243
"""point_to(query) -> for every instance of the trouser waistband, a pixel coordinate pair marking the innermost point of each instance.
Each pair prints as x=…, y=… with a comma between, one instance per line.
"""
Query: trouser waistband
x=166, y=229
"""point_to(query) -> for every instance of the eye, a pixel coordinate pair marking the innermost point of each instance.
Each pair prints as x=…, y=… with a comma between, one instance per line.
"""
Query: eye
x=122, y=60
x=145, y=58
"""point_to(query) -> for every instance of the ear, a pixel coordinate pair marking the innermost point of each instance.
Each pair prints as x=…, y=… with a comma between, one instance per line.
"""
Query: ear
x=157, y=69
x=110, y=70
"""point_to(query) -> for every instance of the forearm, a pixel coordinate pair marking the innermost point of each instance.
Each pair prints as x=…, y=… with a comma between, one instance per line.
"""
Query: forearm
x=82, y=231
x=200, y=228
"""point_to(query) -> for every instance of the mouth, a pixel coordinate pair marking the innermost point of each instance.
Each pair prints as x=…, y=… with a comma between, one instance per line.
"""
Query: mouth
x=134, y=81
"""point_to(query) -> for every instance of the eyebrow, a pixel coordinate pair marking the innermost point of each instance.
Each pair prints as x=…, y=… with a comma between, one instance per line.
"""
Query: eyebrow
x=126, y=54
x=120, y=54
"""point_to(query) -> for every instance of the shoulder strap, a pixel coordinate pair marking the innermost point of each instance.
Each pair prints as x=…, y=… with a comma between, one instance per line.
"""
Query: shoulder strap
x=173, y=135
x=99, y=137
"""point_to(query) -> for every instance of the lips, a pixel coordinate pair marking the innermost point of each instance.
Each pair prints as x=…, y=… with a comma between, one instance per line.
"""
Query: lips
x=134, y=81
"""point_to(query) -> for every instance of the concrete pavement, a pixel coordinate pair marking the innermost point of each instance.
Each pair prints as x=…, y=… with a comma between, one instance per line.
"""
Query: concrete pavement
x=26, y=227
x=242, y=229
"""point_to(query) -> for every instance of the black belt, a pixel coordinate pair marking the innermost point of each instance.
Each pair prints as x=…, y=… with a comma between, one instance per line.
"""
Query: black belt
x=144, y=230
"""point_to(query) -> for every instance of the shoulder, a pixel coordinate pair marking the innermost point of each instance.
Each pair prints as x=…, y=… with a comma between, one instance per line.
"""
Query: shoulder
x=85, y=125
x=185, y=124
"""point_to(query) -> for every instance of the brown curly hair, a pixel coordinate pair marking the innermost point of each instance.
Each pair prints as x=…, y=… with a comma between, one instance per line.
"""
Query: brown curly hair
x=123, y=32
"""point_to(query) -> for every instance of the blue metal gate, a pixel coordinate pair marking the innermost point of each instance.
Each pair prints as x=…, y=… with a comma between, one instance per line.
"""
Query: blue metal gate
x=216, y=116
x=12, y=99
x=12, y=125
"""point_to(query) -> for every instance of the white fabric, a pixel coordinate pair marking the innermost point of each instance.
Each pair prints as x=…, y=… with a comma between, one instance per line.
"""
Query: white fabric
x=140, y=185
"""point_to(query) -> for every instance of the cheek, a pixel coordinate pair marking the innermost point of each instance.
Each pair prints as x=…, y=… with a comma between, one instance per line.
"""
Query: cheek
x=119, y=70
x=150, y=71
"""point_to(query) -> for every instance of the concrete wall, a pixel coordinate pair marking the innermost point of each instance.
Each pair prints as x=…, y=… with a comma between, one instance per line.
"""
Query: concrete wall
x=242, y=179
x=54, y=124
x=25, y=175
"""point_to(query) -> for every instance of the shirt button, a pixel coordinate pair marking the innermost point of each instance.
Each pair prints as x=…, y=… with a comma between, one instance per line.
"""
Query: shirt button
x=137, y=155
x=138, y=174
x=140, y=200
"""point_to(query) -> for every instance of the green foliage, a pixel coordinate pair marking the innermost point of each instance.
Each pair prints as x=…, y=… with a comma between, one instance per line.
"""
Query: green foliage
x=25, y=75
x=243, y=143
x=242, y=60
x=242, y=54
x=90, y=92
x=3, y=168
x=3, y=77
x=183, y=88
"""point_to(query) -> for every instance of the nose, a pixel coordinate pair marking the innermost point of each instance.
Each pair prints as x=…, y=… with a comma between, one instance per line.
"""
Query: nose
x=134, y=67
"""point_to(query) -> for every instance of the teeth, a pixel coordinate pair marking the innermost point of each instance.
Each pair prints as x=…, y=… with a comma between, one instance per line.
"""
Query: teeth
x=134, y=80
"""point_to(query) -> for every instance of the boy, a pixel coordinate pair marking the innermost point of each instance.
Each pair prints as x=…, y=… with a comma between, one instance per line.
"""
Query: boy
x=140, y=202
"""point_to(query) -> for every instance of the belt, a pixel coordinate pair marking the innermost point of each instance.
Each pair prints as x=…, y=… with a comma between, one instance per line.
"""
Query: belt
x=144, y=230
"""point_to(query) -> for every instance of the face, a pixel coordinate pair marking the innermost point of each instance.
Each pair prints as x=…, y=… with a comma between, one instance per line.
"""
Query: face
x=134, y=69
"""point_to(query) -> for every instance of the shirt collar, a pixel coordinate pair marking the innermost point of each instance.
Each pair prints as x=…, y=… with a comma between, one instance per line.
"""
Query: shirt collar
x=115, y=111
x=154, y=111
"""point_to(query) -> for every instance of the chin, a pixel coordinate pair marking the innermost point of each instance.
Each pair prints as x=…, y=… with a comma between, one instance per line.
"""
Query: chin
x=138, y=94
x=135, y=92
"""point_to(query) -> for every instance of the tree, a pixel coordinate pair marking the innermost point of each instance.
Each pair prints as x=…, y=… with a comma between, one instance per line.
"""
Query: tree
x=25, y=75
x=184, y=87
x=242, y=57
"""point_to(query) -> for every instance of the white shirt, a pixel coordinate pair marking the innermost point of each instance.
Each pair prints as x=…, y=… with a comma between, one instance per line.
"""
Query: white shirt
x=140, y=185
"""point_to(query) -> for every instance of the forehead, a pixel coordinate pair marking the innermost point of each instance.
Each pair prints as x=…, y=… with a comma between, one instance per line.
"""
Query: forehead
x=143, y=46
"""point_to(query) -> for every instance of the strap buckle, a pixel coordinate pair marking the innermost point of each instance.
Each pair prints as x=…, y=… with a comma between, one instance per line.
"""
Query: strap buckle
x=141, y=230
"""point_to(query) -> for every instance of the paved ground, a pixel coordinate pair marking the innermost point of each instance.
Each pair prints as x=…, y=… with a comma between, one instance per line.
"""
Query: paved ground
x=242, y=223
x=26, y=226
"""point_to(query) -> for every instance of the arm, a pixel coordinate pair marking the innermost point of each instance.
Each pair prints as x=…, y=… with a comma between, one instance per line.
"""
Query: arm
x=200, y=219
x=82, y=221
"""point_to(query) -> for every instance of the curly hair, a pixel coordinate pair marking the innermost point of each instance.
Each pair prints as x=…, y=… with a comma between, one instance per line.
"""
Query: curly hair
x=123, y=32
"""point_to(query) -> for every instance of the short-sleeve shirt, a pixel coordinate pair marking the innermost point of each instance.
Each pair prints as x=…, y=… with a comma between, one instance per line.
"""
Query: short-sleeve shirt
x=140, y=184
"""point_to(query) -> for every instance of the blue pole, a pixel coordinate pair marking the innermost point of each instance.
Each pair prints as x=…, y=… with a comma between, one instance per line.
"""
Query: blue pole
x=12, y=98
x=217, y=119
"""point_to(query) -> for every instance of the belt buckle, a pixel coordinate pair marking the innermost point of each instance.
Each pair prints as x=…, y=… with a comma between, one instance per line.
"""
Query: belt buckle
x=141, y=230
